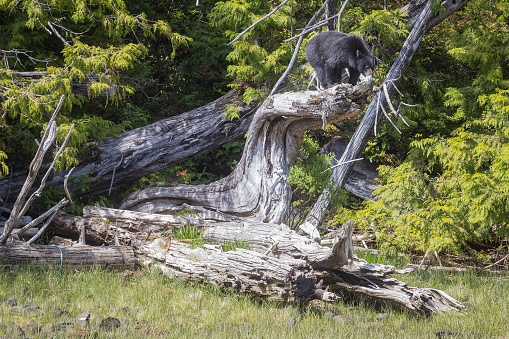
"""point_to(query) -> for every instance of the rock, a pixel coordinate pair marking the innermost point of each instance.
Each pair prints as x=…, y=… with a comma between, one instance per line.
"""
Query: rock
x=14, y=331
x=291, y=322
x=12, y=302
x=27, y=309
x=57, y=311
x=329, y=315
x=32, y=328
x=62, y=326
x=443, y=333
x=83, y=319
x=109, y=324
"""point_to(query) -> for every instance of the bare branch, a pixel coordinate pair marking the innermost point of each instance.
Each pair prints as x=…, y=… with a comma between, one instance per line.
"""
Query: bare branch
x=341, y=13
x=17, y=210
x=257, y=22
x=37, y=193
x=296, y=51
x=342, y=163
x=113, y=175
x=53, y=29
x=53, y=212
x=376, y=113
x=22, y=231
x=389, y=118
x=389, y=103
x=66, y=189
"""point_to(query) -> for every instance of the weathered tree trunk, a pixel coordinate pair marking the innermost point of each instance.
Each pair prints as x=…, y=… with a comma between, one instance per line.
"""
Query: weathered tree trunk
x=258, y=186
x=422, y=22
x=280, y=264
x=142, y=151
x=115, y=257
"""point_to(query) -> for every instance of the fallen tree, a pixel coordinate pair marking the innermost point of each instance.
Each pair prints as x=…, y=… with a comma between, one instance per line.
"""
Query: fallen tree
x=279, y=265
x=142, y=151
x=249, y=206
x=258, y=186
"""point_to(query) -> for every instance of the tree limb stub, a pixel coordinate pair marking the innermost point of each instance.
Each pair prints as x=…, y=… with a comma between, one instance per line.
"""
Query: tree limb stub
x=258, y=186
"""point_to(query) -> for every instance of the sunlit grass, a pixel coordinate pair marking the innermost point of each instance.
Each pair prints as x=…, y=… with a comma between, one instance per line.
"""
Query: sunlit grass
x=151, y=305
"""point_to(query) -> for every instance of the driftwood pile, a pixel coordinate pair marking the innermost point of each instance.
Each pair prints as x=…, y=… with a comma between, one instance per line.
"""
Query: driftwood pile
x=279, y=265
x=247, y=206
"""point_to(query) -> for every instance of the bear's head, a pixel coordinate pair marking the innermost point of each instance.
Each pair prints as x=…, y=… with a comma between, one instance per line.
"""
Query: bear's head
x=364, y=64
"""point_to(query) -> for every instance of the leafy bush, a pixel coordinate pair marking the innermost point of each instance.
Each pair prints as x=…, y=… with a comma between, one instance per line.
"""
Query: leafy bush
x=308, y=177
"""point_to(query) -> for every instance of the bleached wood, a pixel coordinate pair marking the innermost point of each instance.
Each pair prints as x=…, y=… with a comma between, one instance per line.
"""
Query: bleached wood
x=150, y=148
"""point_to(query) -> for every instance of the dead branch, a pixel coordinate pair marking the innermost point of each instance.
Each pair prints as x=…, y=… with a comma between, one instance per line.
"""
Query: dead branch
x=297, y=48
x=20, y=206
x=258, y=21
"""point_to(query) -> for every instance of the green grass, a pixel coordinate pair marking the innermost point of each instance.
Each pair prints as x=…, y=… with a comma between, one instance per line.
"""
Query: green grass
x=190, y=234
x=151, y=305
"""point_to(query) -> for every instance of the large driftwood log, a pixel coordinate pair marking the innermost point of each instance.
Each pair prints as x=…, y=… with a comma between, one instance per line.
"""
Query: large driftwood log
x=258, y=186
x=280, y=264
x=116, y=257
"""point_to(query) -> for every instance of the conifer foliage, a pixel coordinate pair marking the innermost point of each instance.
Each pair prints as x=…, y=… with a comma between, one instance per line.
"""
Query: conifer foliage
x=48, y=48
x=452, y=191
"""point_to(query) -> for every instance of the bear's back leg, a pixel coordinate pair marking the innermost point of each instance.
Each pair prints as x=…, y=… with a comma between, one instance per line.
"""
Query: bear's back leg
x=321, y=77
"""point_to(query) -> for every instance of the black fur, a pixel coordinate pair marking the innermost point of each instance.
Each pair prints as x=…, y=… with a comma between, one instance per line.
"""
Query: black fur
x=331, y=52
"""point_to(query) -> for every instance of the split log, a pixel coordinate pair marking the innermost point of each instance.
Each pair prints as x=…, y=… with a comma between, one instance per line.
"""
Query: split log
x=114, y=257
x=280, y=265
x=295, y=270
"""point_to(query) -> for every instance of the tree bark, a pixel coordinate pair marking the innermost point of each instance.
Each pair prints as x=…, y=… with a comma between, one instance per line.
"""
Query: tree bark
x=258, y=186
x=115, y=257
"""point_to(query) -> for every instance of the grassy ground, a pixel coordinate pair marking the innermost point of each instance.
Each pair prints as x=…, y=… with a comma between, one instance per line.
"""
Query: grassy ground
x=150, y=305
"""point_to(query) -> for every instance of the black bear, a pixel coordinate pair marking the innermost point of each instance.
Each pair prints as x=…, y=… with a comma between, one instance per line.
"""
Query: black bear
x=331, y=52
